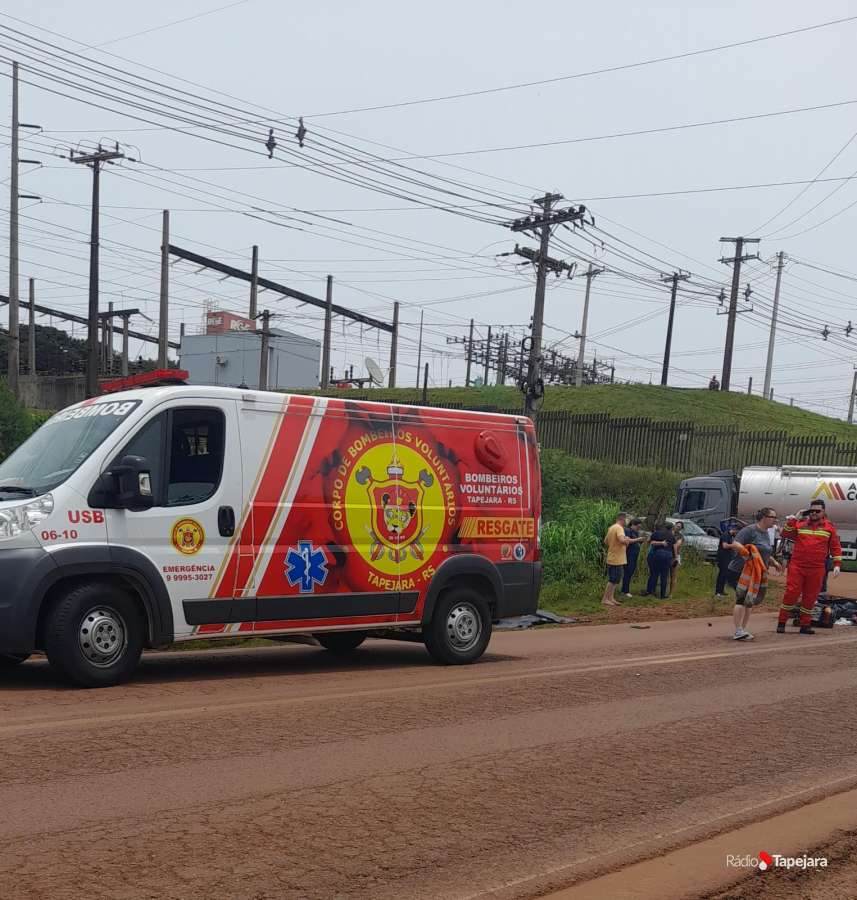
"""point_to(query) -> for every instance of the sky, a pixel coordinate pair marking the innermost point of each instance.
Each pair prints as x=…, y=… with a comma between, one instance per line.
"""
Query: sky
x=352, y=72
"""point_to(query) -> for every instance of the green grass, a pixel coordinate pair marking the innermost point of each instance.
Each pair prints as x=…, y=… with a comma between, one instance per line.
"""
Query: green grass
x=699, y=406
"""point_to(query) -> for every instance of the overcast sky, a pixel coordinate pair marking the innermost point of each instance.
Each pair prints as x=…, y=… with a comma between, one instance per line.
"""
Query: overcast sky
x=325, y=57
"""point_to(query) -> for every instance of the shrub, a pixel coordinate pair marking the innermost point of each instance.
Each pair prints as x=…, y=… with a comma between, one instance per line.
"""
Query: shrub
x=639, y=490
x=16, y=424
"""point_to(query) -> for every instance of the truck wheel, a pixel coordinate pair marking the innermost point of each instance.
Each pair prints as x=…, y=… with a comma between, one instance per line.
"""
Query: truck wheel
x=10, y=660
x=340, y=642
x=460, y=627
x=94, y=635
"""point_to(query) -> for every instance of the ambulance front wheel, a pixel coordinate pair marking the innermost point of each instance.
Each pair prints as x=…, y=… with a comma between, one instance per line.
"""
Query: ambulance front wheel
x=460, y=627
x=94, y=635
x=340, y=642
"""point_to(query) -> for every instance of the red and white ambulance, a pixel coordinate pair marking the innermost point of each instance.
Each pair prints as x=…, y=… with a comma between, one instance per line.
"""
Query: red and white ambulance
x=174, y=513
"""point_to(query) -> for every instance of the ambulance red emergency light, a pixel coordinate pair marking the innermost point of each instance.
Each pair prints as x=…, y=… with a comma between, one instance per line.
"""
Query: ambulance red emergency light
x=172, y=513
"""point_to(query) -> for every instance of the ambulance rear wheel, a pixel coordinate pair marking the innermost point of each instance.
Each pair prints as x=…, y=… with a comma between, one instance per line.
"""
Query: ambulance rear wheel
x=10, y=660
x=340, y=642
x=94, y=635
x=460, y=627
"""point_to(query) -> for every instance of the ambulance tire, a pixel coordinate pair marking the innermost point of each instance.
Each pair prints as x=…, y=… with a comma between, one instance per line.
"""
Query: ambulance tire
x=94, y=635
x=10, y=660
x=460, y=628
x=340, y=642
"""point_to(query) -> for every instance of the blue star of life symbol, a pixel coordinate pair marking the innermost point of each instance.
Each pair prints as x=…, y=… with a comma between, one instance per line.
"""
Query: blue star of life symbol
x=306, y=566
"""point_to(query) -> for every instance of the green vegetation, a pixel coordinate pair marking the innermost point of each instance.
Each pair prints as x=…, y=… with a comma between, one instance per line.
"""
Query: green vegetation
x=638, y=490
x=700, y=406
x=16, y=422
x=573, y=559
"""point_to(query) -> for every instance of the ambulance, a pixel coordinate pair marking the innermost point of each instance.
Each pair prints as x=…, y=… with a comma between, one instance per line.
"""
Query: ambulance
x=172, y=513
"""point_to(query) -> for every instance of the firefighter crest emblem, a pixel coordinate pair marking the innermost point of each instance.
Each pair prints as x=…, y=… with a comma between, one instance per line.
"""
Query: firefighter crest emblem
x=394, y=508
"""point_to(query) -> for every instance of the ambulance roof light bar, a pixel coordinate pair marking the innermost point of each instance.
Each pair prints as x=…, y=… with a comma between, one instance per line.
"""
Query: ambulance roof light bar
x=156, y=378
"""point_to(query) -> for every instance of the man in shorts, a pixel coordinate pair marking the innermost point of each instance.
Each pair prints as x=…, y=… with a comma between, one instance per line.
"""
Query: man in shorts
x=617, y=543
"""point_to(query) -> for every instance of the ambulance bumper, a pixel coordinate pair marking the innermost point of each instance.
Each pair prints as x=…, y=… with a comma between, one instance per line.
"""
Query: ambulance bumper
x=21, y=572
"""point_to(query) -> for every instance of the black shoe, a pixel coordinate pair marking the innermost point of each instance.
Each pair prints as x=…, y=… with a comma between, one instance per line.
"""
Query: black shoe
x=781, y=628
x=807, y=629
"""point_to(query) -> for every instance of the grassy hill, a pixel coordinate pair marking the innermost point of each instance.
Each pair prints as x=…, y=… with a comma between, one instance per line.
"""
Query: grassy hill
x=700, y=406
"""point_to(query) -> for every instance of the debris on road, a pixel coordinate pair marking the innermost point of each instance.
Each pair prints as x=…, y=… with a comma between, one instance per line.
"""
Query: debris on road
x=539, y=617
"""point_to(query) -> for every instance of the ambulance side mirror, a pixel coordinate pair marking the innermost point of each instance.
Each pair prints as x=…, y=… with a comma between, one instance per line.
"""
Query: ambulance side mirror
x=127, y=485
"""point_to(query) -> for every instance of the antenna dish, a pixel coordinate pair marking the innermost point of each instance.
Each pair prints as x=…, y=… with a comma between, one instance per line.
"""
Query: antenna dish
x=376, y=373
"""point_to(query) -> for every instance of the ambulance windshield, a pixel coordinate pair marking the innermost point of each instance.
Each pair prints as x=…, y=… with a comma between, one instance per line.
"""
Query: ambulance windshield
x=60, y=446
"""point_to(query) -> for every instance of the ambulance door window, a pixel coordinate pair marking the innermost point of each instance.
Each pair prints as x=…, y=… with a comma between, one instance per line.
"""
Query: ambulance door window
x=196, y=445
x=149, y=444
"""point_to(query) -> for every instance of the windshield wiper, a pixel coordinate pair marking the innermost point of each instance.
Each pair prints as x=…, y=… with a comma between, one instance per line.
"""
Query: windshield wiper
x=16, y=489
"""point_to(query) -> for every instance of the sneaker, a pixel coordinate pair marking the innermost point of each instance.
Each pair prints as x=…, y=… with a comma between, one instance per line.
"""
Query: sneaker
x=741, y=635
x=781, y=628
x=718, y=596
x=807, y=629
x=748, y=636
x=629, y=596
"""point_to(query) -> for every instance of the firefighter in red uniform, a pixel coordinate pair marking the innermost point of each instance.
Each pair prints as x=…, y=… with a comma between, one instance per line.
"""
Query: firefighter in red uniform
x=815, y=539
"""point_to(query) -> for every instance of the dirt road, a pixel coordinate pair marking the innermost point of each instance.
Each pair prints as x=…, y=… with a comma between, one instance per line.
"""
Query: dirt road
x=282, y=773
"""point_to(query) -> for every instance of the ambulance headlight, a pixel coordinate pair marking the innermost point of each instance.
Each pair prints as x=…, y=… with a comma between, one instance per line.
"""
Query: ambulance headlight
x=23, y=516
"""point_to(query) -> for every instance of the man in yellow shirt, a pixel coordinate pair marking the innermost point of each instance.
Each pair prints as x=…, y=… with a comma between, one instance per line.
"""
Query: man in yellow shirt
x=617, y=557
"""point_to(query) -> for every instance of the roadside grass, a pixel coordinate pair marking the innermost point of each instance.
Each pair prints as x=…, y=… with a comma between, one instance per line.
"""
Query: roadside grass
x=697, y=405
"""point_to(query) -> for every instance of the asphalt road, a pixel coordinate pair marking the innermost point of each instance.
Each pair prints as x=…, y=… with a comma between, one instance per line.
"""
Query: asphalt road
x=283, y=773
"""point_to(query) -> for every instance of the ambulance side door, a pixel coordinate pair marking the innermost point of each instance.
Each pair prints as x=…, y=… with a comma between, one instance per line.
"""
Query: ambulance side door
x=194, y=456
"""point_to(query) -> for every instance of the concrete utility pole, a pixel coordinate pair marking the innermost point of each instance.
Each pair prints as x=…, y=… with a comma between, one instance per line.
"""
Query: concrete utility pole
x=125, y=344
x=750, y=385
x=394, y=345
x=13, y=346
x=469, y=356
x=540, y=224
x=31, y=334
x=94, y=161
x=254, y=280
x=328, y=325
x=487, y=357
x=770, y=362
x=675, y=278
x=420, y=349
x=733, y=302
x=853, y=393
x=591, y=272
x=263, y=355
x=425, y=384
x=163, y=315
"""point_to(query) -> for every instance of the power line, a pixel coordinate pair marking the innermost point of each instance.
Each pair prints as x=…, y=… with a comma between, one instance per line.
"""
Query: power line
x=588, y=74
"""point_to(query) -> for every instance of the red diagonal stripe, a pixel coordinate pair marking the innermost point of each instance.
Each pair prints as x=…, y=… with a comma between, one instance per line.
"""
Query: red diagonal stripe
x=263, y=505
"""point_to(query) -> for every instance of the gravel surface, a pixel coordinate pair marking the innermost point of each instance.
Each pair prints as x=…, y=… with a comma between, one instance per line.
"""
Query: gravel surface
x=284, y=773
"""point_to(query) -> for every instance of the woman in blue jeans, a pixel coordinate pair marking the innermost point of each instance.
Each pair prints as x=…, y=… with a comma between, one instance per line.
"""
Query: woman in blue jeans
x=660, y=559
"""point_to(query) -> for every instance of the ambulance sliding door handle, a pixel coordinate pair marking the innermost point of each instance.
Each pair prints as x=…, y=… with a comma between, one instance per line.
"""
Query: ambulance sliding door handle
x=226, y=521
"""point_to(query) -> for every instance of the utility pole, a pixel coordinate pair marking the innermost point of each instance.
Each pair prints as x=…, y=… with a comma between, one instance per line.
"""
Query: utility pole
x=108, y=338
x=591, y=272
x=394, y=345
x=770, y=362
x=853, y=392
x=733, y=302
x=31, y=334
x=94, y=161
x=541, y=224
x=163, y=317
x=420, y=348
x=504, y=356
x=254, y=280
x=675, y=278
x=13, y=347
x=425, y=384
x=125, y=345
x=328, y=325
x=487, y=358
x=469, y=356
x=263, y=356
